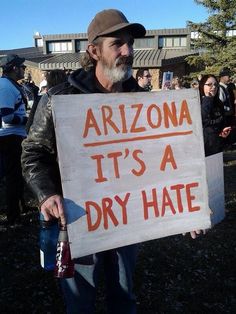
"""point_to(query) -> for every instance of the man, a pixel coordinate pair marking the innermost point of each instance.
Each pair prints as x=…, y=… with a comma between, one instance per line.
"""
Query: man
x=226, y=95
x=144, y=78
x=43, y=84
x=30, y=89
x=12, y=132
x=108, y=62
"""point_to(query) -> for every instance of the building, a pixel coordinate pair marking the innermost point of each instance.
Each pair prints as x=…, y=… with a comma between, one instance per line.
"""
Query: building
x=160, y=50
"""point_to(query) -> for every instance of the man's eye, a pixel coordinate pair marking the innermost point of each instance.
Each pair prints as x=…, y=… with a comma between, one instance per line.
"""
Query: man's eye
x=118, y=43
x=131, y=42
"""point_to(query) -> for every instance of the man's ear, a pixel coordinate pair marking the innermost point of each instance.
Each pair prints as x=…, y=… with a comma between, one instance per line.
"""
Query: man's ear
x=94, y=51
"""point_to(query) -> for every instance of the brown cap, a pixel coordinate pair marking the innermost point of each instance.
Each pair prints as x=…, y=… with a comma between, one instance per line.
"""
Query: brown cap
x=110, y=21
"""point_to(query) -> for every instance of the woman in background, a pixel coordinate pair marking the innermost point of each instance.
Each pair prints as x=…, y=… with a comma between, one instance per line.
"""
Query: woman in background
x=214, y=128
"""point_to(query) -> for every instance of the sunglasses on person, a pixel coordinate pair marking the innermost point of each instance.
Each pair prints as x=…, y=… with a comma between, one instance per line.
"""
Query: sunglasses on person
x=212, y=84
x=148, y=76
x=22, y=66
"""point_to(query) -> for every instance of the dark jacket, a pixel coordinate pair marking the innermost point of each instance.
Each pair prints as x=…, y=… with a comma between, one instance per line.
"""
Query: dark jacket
x=39, y=156
x=213, y=123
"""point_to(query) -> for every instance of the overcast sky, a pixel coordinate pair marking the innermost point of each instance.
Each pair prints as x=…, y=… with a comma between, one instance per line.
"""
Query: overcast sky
x=20, y=19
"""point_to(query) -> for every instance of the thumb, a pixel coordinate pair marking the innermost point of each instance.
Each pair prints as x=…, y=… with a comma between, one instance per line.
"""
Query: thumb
x=61, y=212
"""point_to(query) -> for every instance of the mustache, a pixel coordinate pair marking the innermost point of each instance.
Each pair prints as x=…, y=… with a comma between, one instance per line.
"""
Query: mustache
x=125, y=60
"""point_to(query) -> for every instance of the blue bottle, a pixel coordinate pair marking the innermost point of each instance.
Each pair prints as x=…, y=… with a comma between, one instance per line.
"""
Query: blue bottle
x=48, y=236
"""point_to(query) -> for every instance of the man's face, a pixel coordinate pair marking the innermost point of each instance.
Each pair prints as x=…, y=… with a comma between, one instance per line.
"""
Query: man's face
x=116, y=57
x=20, y=71
x=145, y=80
x=225, y=79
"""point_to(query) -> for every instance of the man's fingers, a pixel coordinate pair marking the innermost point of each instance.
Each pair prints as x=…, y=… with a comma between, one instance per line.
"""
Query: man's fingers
x=61, y=212
x=53, y=207
x=195, y=233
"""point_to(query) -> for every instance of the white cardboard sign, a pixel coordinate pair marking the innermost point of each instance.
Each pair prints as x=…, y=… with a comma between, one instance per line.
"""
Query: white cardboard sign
x=215, y=183
x=132, y=167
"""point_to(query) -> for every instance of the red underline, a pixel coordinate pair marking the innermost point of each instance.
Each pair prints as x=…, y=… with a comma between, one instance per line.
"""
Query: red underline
x=138, y=138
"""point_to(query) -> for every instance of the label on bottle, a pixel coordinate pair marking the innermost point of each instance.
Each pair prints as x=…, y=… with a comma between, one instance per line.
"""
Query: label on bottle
x=42, y=258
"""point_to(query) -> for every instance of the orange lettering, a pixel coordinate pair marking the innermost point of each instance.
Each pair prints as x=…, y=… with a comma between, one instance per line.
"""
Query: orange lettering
x=133, y=128
x=141, y=162
x=170, y=114
x=168, y=157
x=166, y=201
x=123, y=204
x=91, y=123
x=95, y=225
x=100, y=177
x=191, y=197
x=106, y=118
x=123, y=120
x=184, y=113
x=149, y=116
x=107, y=211
x=177, y=188
x=153, y=203
x=115, y=156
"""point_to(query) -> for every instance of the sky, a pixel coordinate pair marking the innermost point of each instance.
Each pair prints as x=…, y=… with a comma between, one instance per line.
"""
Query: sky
x=21, y=19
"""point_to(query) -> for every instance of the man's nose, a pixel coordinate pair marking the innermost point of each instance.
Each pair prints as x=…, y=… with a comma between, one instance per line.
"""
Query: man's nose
x=126, y=50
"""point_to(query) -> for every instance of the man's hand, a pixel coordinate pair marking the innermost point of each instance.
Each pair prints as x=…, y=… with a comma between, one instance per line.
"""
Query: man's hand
x=53, y=208
x=225, y=132
x=194, y=234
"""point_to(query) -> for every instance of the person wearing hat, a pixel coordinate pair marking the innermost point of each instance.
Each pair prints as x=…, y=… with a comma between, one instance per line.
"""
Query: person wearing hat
x=107, y=67
x=12, y=132
x=226, y=95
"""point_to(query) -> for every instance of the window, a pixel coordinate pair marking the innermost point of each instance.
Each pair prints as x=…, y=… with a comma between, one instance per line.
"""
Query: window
x=172, y=41
x=147, y=42
x=231, y=33
x=195, y=35
x=81, y=45
x=55, y=47
x=39, y=42
x=168, y=42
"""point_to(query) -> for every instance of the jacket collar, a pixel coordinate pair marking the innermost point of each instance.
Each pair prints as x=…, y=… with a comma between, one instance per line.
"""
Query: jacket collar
x=85, y=82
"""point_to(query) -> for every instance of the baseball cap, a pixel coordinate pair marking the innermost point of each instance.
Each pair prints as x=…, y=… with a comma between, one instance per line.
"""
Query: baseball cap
x=110, y=21
x=11, y=60
x=225, y=72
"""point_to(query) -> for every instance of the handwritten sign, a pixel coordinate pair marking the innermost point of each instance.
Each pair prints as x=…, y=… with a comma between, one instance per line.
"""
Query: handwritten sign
x=132, y=167
x=215, y=183
x=166, y=80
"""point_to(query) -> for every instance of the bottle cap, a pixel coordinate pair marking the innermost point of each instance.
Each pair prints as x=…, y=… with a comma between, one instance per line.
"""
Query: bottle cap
x=63, y=235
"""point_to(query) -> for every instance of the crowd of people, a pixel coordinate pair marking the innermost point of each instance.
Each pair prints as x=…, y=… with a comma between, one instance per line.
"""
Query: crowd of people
x=28, y=144
x=218, y=102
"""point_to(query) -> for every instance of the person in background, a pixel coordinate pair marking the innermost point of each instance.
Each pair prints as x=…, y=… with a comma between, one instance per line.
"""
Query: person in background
x=226, y=95
x=13, y=117
x=215, y=130
x=30, y=89
x=194, y=84
x=54, y=78
x=144, y=79
x=43, y=84
x=176, y=83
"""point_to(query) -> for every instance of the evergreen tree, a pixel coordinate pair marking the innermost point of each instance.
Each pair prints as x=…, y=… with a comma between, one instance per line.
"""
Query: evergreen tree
x=216, y=41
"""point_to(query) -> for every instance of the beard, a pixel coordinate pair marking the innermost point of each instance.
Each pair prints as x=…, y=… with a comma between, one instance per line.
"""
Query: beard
x=120, y=71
